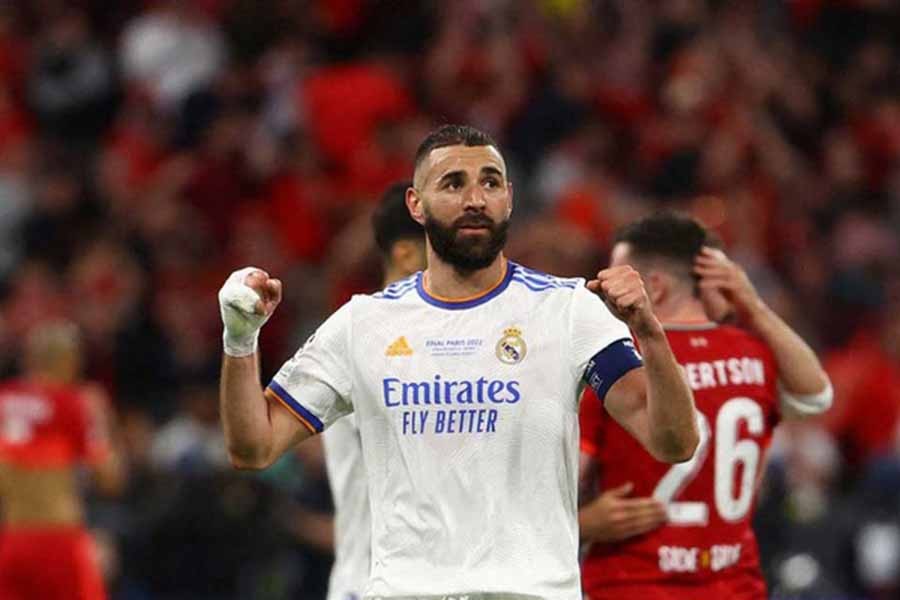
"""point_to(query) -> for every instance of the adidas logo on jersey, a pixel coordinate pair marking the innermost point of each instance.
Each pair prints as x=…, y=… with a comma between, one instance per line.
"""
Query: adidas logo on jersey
x=399, y=347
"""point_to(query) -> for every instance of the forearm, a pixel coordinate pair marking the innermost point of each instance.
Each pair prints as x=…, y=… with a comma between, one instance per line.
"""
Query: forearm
x=798, y=366
x=671, y=419
x=245, y=412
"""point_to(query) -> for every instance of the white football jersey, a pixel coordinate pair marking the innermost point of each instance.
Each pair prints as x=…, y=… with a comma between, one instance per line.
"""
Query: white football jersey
x=468, y=415
x=352, y=524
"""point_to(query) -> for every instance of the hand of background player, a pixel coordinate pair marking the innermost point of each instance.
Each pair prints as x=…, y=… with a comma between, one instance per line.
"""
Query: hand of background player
x=246, y=302
x=725, y=287
x=622, y=289
x=614, y=517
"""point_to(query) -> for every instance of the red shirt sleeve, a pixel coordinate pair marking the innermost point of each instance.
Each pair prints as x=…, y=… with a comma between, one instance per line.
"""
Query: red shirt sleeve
x=590, y=417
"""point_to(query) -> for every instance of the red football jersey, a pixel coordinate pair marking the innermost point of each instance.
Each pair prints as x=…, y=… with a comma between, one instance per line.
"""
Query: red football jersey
x=46, y=426
x=708, y=539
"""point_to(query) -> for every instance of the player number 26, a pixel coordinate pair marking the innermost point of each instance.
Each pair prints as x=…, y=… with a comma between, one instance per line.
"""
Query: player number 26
x=732, y=504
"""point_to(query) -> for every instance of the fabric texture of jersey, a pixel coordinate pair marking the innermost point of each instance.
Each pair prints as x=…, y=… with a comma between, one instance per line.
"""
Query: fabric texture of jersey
x=352, y=525
x=468, y=414
x=708, y=540
x=46, y=426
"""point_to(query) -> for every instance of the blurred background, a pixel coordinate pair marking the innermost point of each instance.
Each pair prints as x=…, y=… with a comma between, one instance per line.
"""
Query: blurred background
x=150, y=147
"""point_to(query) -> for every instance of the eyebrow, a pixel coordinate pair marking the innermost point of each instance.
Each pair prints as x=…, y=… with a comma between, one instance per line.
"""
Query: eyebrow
x=488, y=170
x=449, y=174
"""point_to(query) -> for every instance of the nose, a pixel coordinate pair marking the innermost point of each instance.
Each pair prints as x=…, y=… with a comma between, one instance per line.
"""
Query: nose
x=473, y=198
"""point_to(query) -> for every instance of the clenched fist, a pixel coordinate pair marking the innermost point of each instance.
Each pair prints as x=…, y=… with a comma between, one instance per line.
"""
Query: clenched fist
x=246, y=302
x=622, y=289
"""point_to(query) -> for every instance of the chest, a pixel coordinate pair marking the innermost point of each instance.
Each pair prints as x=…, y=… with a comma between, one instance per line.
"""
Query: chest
x=441, y=372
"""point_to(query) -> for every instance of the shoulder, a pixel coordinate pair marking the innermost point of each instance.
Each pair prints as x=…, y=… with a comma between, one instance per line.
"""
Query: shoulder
x=394, y=291
x=743, y=339
x=734, y=339
x=539, y=282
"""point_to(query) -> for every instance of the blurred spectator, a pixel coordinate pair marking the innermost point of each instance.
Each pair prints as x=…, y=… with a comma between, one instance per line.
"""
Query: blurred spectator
x=61, y=215
x=171, y=51
x=15, y=199
x=865, y=418
x=192, y=441
x=71, y=87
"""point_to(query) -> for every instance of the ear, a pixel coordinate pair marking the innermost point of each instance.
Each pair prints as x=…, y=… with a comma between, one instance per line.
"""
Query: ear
x=509, y=207
x=414, y=204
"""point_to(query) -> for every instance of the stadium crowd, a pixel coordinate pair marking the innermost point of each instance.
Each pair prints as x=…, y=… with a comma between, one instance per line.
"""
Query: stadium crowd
x=149, y=147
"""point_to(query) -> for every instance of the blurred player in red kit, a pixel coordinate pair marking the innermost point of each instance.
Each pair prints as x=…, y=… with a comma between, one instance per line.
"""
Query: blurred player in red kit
x=50, y=424
x=683, y=531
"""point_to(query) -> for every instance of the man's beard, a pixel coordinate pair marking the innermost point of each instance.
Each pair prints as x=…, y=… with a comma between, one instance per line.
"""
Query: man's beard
x=471, y=252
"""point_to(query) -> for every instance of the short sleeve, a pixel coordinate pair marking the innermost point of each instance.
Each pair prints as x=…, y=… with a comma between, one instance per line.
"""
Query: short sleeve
x=315, y=385
x=592, y=328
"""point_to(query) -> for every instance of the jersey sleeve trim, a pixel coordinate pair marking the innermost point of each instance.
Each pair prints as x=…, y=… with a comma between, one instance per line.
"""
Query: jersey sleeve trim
x=804, y=405
x=311, y=421
x=540, y=282
x=610, y=364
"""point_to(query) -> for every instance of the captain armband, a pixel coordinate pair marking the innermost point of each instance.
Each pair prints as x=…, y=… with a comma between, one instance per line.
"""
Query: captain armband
x=610, y=364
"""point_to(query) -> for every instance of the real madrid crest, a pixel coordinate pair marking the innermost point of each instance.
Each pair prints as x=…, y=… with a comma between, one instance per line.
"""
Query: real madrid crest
x=511, y=348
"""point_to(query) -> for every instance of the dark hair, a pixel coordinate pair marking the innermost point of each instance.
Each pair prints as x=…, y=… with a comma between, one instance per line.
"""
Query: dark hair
x=674, y=238
x=391, y=221
x=452, y=135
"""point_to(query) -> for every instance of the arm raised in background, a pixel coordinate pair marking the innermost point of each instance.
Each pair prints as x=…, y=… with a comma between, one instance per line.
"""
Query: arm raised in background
x=258, y=430
x=105, y=455
x=653, y=403
x=804, y=385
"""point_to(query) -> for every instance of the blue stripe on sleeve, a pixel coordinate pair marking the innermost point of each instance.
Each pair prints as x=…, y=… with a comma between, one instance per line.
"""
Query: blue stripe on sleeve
x=610, y=364
x=296, y=406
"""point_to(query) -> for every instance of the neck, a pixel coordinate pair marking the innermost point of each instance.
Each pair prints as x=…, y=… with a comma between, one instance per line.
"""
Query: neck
x=443, y=280
x=683, y=309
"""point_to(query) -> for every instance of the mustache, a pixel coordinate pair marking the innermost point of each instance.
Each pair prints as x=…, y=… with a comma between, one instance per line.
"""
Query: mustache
x=474, y=220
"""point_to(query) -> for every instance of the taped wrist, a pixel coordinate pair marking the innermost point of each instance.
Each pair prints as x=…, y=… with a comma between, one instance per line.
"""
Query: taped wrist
x=239, y=347
x=237, y=304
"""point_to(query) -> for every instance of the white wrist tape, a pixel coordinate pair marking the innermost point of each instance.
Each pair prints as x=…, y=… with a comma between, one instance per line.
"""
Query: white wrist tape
x=237, y=304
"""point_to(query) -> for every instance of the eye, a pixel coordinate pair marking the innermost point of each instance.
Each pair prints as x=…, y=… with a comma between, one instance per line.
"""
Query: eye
x=491, y=183
x=452, y=183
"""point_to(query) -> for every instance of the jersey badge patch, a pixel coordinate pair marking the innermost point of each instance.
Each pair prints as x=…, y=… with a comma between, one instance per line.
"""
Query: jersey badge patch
x=511, y=349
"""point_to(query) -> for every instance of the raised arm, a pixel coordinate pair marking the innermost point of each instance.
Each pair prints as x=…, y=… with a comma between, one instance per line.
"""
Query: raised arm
x=258, y=429
x=653, y=403
x=805, y=388
x=103, y=448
